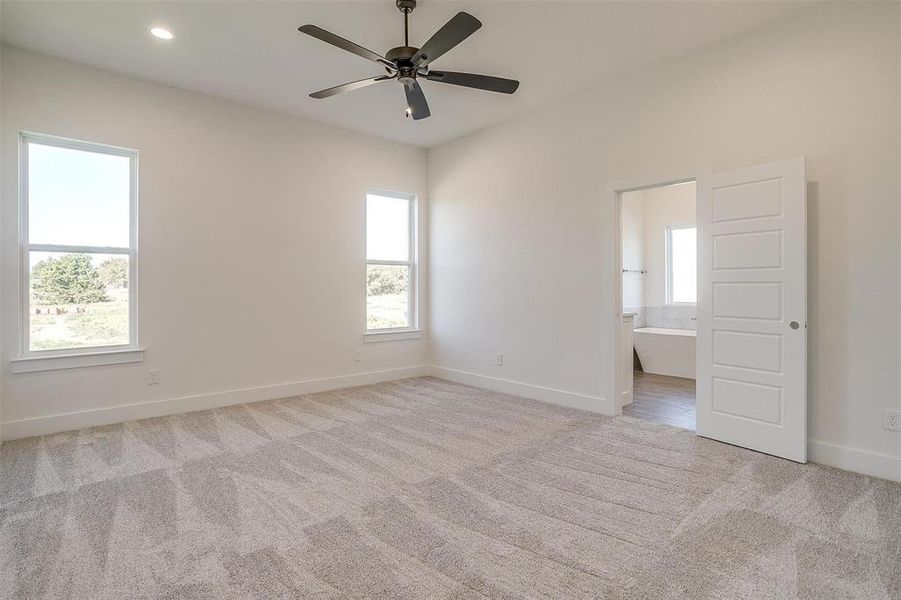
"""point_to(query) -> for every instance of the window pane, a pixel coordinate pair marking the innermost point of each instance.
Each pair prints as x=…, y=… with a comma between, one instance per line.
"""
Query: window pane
x=387, y=228
x=387, y=296
x=77, y=300
x=77, y=197
x=684, y=247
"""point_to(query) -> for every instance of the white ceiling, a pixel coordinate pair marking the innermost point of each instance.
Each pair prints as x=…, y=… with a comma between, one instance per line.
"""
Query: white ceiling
x=251, y=51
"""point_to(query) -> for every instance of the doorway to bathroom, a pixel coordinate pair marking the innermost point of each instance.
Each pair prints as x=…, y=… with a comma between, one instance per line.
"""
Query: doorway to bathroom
x=659, y=263
x=746, y=334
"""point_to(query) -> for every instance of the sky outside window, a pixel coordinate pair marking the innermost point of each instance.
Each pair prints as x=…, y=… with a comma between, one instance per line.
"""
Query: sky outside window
x=387, y=228
x=77, y=198
x=684, y=248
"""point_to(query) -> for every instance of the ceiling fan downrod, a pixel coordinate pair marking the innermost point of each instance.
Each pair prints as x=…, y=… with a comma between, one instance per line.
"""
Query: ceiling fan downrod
x=406, y=7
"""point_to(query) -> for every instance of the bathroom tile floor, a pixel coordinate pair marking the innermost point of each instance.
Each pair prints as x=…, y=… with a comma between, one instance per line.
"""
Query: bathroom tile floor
x=663, y=399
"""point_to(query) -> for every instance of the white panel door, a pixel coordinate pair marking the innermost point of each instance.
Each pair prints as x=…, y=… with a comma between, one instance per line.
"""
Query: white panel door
x=752, y=308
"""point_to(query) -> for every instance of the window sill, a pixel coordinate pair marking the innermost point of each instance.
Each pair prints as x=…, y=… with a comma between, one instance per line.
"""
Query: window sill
x=391, y=336
x=32, y=364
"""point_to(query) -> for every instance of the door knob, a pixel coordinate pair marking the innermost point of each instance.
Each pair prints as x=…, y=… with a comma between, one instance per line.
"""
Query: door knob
x=794, y=324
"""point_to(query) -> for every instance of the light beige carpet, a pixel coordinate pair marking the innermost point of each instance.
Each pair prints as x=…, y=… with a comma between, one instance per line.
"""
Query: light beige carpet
x=428, y=489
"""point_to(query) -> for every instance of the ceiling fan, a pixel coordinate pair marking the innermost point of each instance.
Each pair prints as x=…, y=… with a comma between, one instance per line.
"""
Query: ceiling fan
x=407, y=63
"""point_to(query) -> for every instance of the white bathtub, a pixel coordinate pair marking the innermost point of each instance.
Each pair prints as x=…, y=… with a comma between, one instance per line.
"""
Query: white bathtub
x=666, y=351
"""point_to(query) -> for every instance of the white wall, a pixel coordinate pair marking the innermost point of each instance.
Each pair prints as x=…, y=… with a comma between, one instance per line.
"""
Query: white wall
x=673, y=205
x=251, y=253
x=646, y=214
x=633, y=250
x=521, y=229
x=2, y=283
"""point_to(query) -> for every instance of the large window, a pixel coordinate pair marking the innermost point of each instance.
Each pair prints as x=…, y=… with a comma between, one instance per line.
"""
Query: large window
x=77, y=246
x=390, y=262
x=681, y=265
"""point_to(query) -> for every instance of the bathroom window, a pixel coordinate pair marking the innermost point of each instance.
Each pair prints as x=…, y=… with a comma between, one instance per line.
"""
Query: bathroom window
x=682, y=265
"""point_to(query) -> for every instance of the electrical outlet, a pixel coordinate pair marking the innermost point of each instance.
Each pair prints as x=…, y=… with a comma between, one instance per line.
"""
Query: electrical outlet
x=499, y=361
x=891, y=420
x=153, y=377
x=358, y=355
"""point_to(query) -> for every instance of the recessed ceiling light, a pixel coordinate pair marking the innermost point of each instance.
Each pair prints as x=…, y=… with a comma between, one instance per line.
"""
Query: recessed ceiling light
x=162, y=33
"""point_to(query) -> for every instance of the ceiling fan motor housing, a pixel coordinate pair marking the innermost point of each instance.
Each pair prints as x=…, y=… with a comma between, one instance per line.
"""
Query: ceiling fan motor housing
x=402, y=57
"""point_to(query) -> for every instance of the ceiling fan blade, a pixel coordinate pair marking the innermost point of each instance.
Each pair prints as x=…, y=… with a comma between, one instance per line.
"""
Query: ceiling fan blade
x=347, y=87
x=335, y=40
x=461, y=26
x=416, y=102
x=471, y=80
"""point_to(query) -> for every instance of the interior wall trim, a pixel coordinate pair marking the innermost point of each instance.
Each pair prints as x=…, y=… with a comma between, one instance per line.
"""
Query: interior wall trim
x=11, y=430
x=841, y=457
x=595, y=404
x=852, y=459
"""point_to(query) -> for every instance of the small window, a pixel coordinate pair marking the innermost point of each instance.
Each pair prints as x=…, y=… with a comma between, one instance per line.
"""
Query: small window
x=77, y=246
x=390, y=273
x=682, y=265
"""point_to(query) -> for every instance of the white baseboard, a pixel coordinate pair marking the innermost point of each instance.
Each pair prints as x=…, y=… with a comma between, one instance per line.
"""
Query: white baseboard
x=849, y=459
x=11, y=430
x=535, y=392
x=852, y=459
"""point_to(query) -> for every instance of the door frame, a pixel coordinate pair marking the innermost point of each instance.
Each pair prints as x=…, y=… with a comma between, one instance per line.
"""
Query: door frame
x=614, y=195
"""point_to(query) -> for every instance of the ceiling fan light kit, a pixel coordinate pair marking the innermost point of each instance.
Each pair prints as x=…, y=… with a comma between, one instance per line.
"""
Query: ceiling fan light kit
x=408, y=63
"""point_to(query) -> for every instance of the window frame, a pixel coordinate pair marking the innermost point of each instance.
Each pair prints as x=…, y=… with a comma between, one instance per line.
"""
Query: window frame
x=411, y=330
x=37, y=360
x=669, y=264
